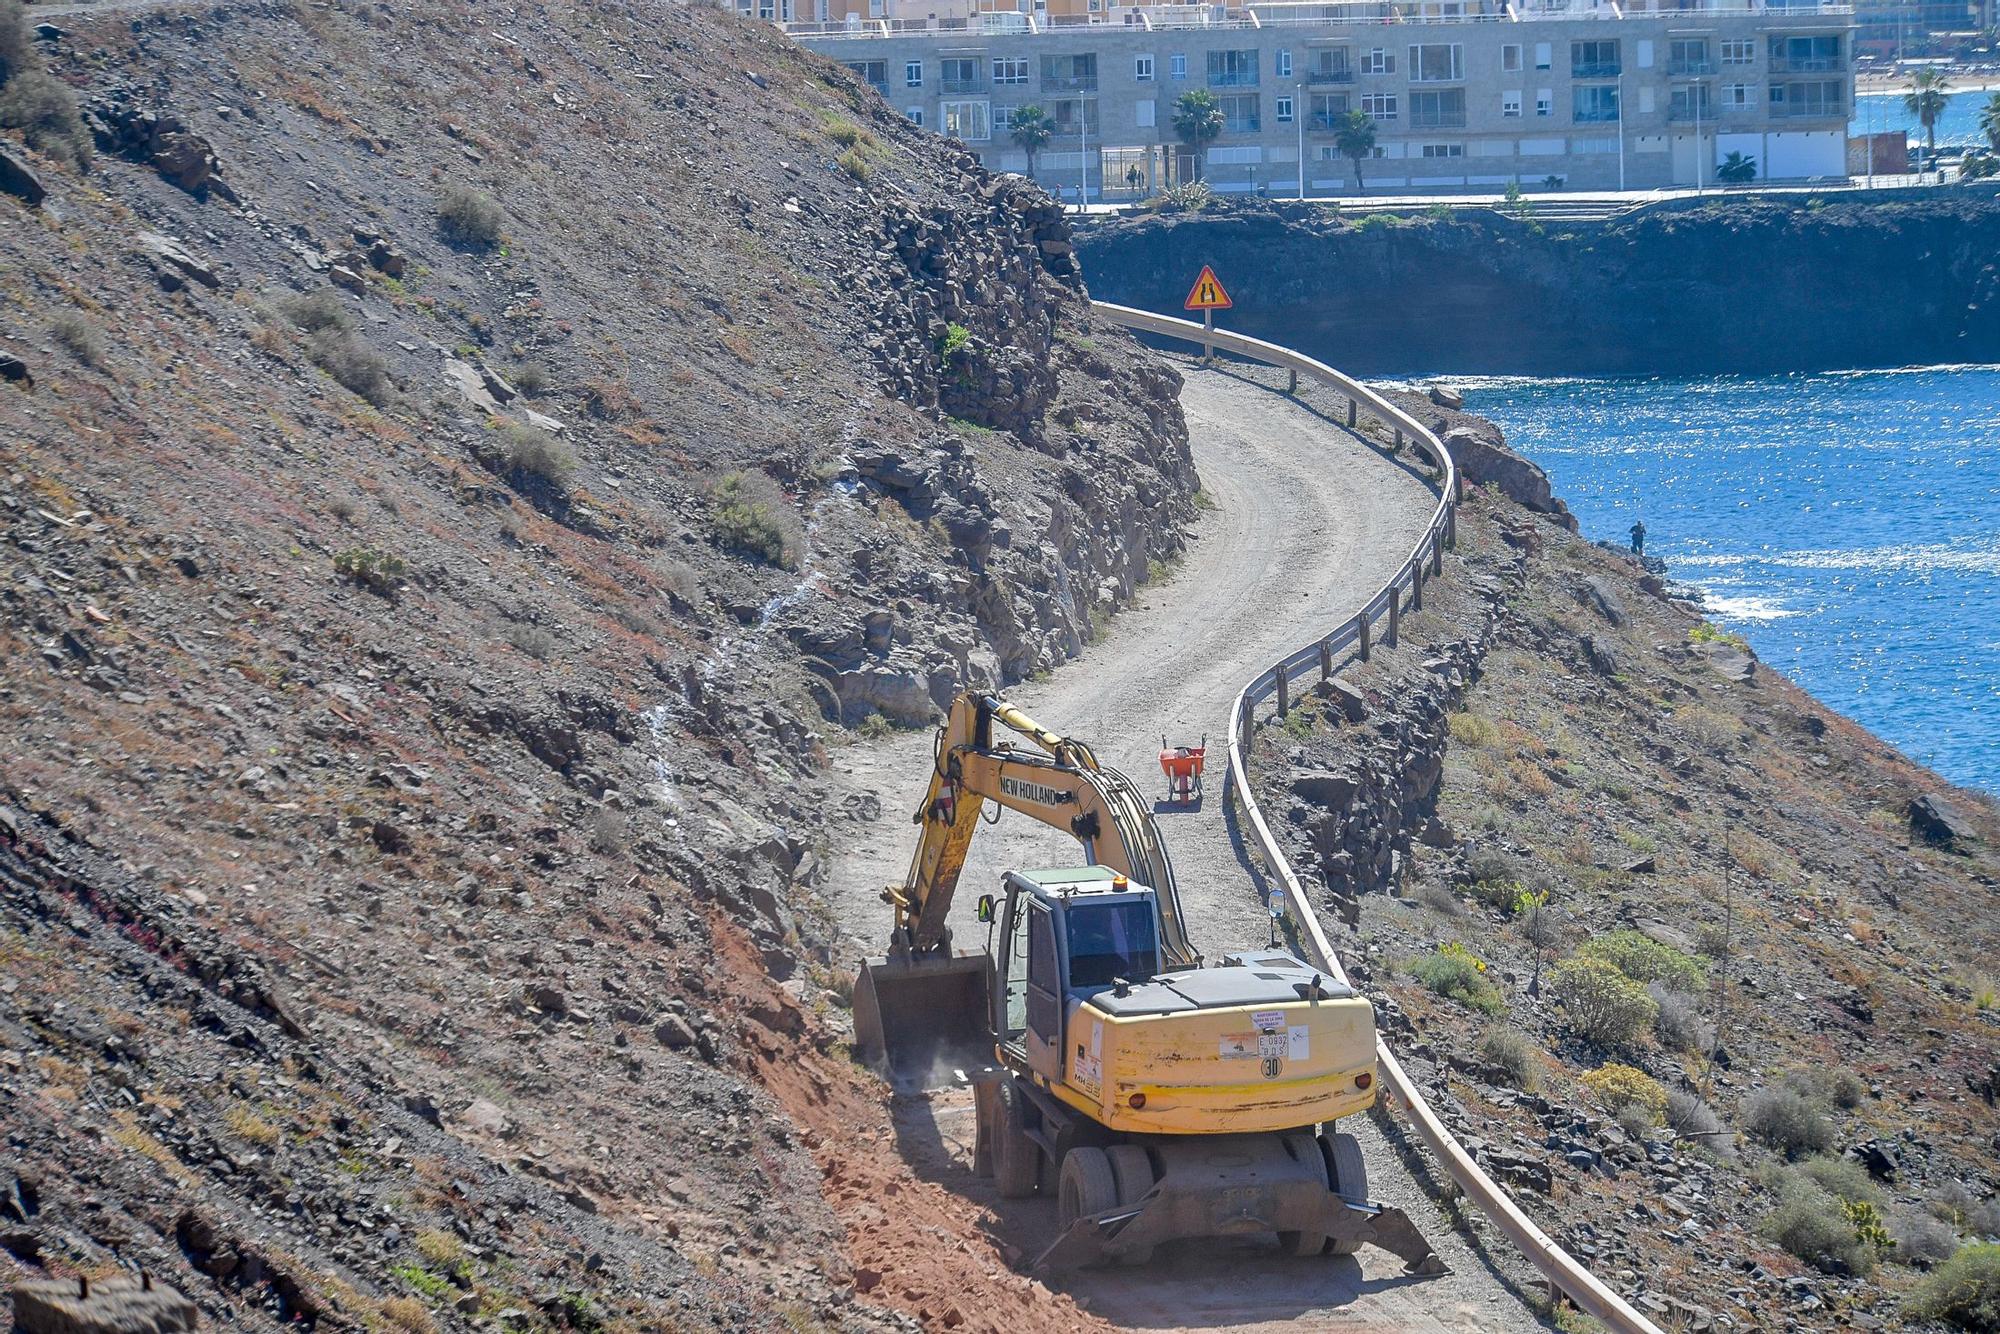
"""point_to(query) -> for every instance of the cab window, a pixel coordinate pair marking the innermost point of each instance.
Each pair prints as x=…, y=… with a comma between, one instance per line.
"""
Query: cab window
x=1108, y=941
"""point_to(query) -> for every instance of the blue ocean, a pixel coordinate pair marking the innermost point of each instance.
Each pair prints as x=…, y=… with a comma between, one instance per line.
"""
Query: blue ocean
x=1847, y=524
x=1959, y=126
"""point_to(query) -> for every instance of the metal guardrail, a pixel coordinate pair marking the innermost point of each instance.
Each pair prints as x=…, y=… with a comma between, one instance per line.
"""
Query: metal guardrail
x=1590, y=1294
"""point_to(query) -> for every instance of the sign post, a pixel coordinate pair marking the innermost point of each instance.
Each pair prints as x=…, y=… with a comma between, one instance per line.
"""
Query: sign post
x=1207, y=296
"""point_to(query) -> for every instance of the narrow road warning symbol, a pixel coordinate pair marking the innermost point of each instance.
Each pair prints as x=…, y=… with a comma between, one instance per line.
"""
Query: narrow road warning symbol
x=1207, y=293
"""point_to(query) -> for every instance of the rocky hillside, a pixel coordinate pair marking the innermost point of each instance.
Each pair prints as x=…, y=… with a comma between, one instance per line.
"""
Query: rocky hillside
x=462, y=471
x=1711, y=288
x=1704, y=971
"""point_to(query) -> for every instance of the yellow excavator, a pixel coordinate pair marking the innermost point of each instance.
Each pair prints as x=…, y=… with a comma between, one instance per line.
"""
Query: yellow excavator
x=1156, y=1095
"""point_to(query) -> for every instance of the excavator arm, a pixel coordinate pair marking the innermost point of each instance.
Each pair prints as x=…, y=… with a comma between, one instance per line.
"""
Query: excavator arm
x=923, y=1000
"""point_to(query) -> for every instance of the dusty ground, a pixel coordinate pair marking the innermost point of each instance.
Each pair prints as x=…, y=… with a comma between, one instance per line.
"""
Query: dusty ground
x=1307, y=522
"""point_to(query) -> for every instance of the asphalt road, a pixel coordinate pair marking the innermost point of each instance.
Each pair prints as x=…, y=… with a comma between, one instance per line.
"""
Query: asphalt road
x=1309, y=522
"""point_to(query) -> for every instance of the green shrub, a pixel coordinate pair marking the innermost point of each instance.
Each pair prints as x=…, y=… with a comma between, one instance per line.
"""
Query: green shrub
x=1472, y=730
x=530, y=377
x=1963, y=1291
x=533, y=640
x=1622, y=1088
x=956, y=339
x=1782, y=1119
x=847, y=134
x=317, y=311
x=1814, y=1226
x=379, y=572
x=534, y=452
x=855, y=165
x=1840, y=1178
x=470, y=217
x=1840, y=1087
x=1644, y=959
x=1456, y=972
x=751, y=514
x=1510, y=1049
x=43, y=108
x=1605, y=1006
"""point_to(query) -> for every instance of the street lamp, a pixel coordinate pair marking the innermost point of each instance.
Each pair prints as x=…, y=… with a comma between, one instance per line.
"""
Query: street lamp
x=1299, y=119
x=1621, y=127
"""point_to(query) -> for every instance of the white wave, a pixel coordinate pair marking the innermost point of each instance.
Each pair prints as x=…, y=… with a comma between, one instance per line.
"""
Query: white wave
x=1750, y=607
x=1918, y=558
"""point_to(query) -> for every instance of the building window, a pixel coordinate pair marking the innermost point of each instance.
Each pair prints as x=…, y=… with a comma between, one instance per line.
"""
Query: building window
x=1543, y=55
x=1545, y=102
x=876, y=8
x=1177, y=65
x=875, y=72
x=1074, y=115
x=1285, y=110
x=1284, y=62
x=971, y=122
x=1009, y=70
x=1690, y=102
x=1378, y=61
x=1510, y=103
x=1817, y=98
x=1142, y=68
x=1442, y=150
x=1594, y=60
x=916, y=115
x=1328, y=108
x=1735, y=95
x=1239, y=113
x=1805, y=55
x=959, y=76
x=1069, y=74
x=1232, y=69
x=1743, y=52
x=1437, y=63
x=1332, y=65
x=1143, y=113
x=1510, y=58
x=1379, y=106
x=1443, y=110
x=913, y=74
x=1688, y=55
x=1594, y=105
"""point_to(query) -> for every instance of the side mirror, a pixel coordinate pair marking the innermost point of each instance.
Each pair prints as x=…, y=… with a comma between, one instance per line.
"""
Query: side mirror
x=985, y=907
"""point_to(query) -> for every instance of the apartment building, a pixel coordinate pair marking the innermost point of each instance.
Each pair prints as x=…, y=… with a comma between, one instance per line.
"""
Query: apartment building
x=1464, y=94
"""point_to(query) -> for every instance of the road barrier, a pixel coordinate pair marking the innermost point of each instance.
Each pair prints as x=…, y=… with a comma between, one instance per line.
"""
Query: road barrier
x=1591, y=1295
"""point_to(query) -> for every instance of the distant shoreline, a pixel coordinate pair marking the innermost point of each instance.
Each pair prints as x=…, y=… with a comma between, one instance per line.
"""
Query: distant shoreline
x=1870, y=85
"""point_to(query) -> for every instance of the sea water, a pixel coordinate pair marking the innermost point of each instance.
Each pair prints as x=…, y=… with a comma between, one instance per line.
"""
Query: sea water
x=1958, y=127
x=1846, y=524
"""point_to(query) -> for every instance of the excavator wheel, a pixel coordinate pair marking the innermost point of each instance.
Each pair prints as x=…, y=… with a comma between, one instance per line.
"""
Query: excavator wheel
x=1016, y=1158
x=1086, y=1186
x=1133, y=1171
x=1347, y=1170
x=1304, y=1148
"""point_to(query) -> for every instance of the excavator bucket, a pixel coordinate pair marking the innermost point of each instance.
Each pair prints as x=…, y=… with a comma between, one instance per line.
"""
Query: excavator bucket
x=917, y=1021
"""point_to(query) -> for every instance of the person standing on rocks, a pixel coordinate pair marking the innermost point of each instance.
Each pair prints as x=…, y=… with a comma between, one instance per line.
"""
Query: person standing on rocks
x=1639, y=537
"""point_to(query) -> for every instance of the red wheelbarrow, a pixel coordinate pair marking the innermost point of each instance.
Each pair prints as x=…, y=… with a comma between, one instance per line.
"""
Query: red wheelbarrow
x=1182, y=765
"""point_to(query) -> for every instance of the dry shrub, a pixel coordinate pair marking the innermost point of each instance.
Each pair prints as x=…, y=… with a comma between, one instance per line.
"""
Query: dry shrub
x=43, y=108
x=353, y=364
x=1784, y=1120
x=1510, y=1050
x=1679, y=1022
x=79, y=337
x=470, y=217
x=407, y=1314
x=1811, y=1224
x=1470, y=729
x=610, y=399
x=1963, y=1291
x=751, y=514
x=533, y=640
x=1710, y=730
x=536, y=453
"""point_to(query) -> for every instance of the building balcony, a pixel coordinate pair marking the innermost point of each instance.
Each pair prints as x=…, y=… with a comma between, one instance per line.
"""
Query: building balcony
x=1317, y=77
x=1232, y=80
x=1684, y=114
x=1441, y=122
x=1809, y=111
x=1070, y=83
x=1596, y=117
x=1610, y=69
x=1687, y=69
x=956, y=86
x=1808, y=65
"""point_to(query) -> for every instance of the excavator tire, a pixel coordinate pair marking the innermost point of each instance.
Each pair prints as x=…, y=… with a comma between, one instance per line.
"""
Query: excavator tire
x=1347, y=1170
x=1133, y=1171
x=1086, y=1186
x=1304, y=1147
x=1016, y=1158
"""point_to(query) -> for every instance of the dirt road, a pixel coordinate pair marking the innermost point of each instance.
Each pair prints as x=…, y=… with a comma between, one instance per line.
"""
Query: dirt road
x=1308, y=522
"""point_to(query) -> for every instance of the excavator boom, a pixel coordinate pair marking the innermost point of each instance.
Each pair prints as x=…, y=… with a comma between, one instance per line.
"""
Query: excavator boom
x=923, y=1004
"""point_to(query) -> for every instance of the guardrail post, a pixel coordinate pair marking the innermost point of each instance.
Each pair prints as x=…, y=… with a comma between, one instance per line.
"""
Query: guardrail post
x=1399, y=439
x=1325, y=660
x=1353, y=411
x=1395, y=614
x=1284, y=693
x=1451, y=527
x=1437, y=554
x=1417, y=583
x=1361, y=633
x=1293, y=386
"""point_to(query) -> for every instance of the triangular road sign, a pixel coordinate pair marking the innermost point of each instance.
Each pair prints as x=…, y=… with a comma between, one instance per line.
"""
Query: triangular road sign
x=1207, y=293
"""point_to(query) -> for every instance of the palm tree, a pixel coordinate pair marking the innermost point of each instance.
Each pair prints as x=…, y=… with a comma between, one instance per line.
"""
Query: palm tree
x=1989, y=121
x=1736, y=170
x=1925, y=100
x=1354, y=136
x=1198, y=120
x=1033, y=128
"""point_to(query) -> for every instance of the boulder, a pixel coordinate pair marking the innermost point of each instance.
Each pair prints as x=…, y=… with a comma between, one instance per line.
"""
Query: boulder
x=1486, y=461
x=1940, y=821
x=1596, y=593
x=18, y=179
x=14, y=369
x=1324, y=788
x=117, y=1305
x=175, y=264
x=1447, y=397
x=1604, y=658
x=1343, y=695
